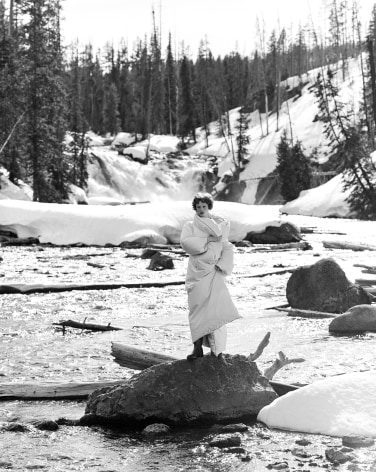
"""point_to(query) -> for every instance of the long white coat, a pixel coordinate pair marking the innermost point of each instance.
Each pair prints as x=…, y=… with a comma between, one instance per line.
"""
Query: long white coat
x=209, y=301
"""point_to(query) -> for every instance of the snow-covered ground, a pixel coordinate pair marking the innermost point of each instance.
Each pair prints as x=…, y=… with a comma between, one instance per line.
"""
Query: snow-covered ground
x=64, y=224
x=336, y=406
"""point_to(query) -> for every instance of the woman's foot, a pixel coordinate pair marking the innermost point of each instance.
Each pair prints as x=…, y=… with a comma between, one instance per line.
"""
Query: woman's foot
x=218, y=357
x=197, y=350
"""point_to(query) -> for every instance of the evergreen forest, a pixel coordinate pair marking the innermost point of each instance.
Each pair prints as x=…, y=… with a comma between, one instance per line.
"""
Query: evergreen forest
x=48, y=89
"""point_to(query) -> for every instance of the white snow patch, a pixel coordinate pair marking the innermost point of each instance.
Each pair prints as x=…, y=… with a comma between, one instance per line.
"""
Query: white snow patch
x=337, y=406
x=326, y=200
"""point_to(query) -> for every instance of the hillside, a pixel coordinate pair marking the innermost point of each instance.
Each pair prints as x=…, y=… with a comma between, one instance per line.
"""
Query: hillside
x=170, y=175
x=297, y=116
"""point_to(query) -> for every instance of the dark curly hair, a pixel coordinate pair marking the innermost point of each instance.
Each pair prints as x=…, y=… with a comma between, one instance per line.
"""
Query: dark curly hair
x=203, y=197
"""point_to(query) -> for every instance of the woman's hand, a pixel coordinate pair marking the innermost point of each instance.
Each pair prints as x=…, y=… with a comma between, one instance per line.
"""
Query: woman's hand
x=213, y=239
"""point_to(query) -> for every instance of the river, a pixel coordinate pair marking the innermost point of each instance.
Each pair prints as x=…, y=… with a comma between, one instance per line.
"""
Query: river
x=34, y=350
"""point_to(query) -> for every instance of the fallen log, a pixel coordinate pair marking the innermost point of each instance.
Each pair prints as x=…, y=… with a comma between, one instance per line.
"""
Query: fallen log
x=305, y=313
x=139, y=359
x=54, y=391
x=346, y=245
x=84, y=325
x=372, y=268
x=369, y=271
x=42, y=288
x=365, y=282
x=96, y=265
x=79, y=256
x=304, y=245
x=311, y=230
x=274, y=307
x=265, y=274
x=27, y=289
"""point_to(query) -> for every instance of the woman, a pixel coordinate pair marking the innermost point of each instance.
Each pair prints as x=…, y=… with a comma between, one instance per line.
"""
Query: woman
x=205, y=239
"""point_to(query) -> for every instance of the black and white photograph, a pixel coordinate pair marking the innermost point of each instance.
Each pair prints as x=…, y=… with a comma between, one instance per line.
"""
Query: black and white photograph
x=187, y=235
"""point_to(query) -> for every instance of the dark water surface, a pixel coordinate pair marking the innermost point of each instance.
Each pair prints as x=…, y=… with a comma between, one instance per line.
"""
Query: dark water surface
x=33, y=350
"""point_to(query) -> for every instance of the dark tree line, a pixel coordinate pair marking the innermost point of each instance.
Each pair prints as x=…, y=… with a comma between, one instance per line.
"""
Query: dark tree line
x=47, y=90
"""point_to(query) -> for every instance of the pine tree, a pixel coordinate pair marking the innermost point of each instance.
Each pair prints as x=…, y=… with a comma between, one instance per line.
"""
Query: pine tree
x=45, y=97
x=157, y=100
x=204, y=77
x=78, y=125
x=111, y=110
x=170, y=86
x=293, y=168
x=11, y=100
x=242, y=139
x=186, y=103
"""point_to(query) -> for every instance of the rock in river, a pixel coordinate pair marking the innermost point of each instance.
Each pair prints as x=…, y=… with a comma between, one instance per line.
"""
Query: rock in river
x=323, y=286
x=207, y=389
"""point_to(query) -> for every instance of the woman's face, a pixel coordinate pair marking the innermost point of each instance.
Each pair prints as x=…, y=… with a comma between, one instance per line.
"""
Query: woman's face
x=202, y=209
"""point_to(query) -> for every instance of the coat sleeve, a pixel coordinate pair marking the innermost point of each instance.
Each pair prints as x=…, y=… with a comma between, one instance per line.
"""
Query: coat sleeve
x=192, y=244
x=226, y=261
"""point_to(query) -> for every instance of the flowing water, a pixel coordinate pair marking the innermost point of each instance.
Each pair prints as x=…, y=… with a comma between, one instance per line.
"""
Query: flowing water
x=33, y=350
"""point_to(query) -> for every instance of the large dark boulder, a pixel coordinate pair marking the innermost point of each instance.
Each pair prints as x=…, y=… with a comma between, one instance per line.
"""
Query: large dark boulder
x=207, y=389
x=324, y=286
x=286, y=233
x=359, y=318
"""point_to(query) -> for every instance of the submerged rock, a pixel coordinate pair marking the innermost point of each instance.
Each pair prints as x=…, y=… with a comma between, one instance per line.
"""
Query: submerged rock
x=46, y=425
x=323, y=286
x=207, y=389
x=336, y=455
x=156, y=429
x=356, y=441
x=226, y=440
x=14, y=427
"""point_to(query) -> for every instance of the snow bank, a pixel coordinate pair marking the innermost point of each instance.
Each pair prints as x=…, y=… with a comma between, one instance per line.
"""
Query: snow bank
x=137, y=152
x=326, y=200
x=123, y=139
x=10, y=191
x=337, y=406
x=100, y=225
x=162, y=143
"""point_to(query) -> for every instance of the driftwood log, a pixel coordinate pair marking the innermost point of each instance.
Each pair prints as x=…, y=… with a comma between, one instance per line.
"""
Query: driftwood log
x=53, y=391
x=84, y=325
x=305, y=313
x=304, y=245
x=27, y=289
x=265, y=274
x=139, y=359
x=365, y=282
x=346, y=245
x=42, y=288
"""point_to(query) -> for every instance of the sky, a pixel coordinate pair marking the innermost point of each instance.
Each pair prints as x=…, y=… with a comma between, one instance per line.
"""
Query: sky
x=228, y=24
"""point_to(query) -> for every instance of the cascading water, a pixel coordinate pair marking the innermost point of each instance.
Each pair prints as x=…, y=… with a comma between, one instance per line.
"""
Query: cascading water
x=164, y=178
